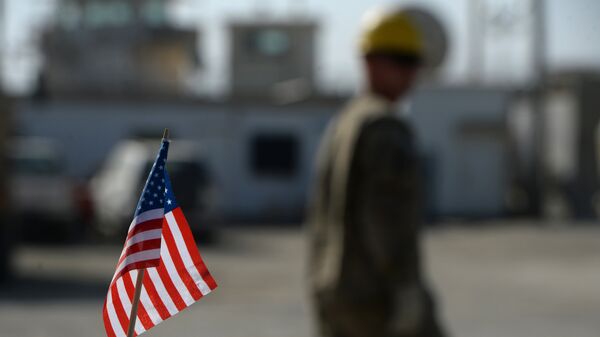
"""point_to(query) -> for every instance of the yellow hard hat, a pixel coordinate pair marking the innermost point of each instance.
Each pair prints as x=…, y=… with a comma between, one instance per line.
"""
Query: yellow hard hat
x=390, y=32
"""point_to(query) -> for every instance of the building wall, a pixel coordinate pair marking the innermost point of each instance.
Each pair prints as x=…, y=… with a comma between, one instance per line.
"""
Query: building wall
x=461, y=132
x=264, y=55
x=88, y=131
x=463, y=137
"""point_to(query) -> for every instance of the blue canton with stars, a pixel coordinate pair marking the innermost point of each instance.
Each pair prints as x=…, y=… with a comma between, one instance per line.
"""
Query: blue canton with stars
x=157, y=191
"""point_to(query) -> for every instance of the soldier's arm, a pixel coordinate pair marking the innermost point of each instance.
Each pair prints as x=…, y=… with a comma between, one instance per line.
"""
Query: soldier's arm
x=389, y=208
x=387, y=199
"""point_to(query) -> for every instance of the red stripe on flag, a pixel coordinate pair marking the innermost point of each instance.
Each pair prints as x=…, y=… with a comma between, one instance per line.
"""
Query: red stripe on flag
x=106, y=319
x=145, y=226
x=138, y=265
x=190, y=243
x=140, y=246
x=171, y=289
x=142, y=314
x=179, y=265
x=155, y=298
x=121, y=315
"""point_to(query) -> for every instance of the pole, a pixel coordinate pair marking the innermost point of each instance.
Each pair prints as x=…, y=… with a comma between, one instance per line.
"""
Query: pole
x=538, y=169
x=135, y=303
x=3, y=41
x=476, y=40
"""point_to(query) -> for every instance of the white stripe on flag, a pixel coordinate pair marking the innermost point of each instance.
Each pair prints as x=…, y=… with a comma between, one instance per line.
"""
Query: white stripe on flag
x=185, y=254
x=143, y=236
x=149, y=306
x=144, y=255
x=162, y=291
x=122, y=292
x=174, y=275
x=140, y=237
x=145, y=300
x=152, y=214
x=112, y=315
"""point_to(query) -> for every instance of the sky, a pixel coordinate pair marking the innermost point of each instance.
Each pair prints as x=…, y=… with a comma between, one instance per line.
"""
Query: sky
x=573, y=33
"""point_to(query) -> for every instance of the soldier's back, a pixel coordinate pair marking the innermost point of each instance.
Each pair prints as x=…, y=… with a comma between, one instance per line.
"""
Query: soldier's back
x=364, y=219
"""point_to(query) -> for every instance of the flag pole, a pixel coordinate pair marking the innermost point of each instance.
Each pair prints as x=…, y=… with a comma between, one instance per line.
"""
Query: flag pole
x=138, y=283
x=135, y=303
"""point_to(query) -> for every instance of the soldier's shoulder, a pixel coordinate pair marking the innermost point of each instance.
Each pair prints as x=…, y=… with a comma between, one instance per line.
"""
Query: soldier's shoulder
x=366, y=104
x=387, y=125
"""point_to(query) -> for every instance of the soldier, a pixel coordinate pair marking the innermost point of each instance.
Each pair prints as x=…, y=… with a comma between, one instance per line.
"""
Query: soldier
x=365, y=263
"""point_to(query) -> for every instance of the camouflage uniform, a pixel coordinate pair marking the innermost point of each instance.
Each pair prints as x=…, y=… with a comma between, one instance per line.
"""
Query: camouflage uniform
x=364, y=264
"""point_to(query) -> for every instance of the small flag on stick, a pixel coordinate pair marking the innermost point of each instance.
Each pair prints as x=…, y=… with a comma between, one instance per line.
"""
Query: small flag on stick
x=160, y=271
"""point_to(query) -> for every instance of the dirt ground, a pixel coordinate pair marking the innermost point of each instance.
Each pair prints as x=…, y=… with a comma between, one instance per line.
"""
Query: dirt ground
x=492, y=280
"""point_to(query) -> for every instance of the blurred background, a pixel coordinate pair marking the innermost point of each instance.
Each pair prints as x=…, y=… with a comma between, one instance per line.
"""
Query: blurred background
x=506, y=116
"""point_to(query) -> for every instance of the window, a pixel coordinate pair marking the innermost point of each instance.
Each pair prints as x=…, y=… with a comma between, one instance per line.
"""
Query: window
x=69, y=16
x=153, y=12
x=100, y=14
x=36, y=166
x=268, y=42
x=274, y=155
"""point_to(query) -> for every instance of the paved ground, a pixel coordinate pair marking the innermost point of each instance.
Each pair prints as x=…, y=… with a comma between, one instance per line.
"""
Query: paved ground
x=493, y=281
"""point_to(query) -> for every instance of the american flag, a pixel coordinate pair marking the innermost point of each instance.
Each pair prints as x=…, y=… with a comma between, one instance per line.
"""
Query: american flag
x=159, y=240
